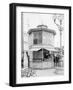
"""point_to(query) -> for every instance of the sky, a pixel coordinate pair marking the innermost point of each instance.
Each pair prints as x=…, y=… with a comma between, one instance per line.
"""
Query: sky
x=32, y=20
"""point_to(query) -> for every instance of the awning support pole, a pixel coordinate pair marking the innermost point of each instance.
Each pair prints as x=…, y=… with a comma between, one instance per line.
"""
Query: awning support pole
x=42, y=54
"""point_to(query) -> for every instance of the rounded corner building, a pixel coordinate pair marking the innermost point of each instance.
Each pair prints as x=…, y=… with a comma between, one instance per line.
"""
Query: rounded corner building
x=41, y=47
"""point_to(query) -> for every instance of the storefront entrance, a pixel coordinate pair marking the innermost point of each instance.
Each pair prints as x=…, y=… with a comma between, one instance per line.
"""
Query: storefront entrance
x=41, y=55
x=42, y=59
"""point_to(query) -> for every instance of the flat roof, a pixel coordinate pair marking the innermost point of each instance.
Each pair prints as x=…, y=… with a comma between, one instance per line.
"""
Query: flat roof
x=42, y=28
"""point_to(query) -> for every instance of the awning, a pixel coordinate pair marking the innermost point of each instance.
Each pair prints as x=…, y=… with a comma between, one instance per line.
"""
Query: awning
x=34, y=49
x=49, y=49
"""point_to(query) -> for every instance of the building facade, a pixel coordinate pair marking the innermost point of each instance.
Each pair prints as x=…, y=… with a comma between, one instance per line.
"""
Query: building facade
x=41, y=47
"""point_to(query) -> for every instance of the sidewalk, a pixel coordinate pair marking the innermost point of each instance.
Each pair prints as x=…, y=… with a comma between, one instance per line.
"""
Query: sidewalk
x=55, y=71
x=46, y=72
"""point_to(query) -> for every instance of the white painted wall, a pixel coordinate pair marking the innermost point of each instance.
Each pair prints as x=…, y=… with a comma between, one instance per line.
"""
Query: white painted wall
x=47, y=38
x=30, y=39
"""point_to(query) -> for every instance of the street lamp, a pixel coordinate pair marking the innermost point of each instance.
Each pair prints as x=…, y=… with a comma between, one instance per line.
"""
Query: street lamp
x=58, y=20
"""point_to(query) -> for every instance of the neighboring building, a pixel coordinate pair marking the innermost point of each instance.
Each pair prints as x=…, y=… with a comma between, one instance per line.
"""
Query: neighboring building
x=25, y=48
x=41, y=47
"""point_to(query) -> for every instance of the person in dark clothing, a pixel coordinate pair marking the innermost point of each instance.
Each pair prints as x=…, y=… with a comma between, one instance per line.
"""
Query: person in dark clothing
x=28, y=59
x=54, y=60
x=22, y=61
x=58, y=60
